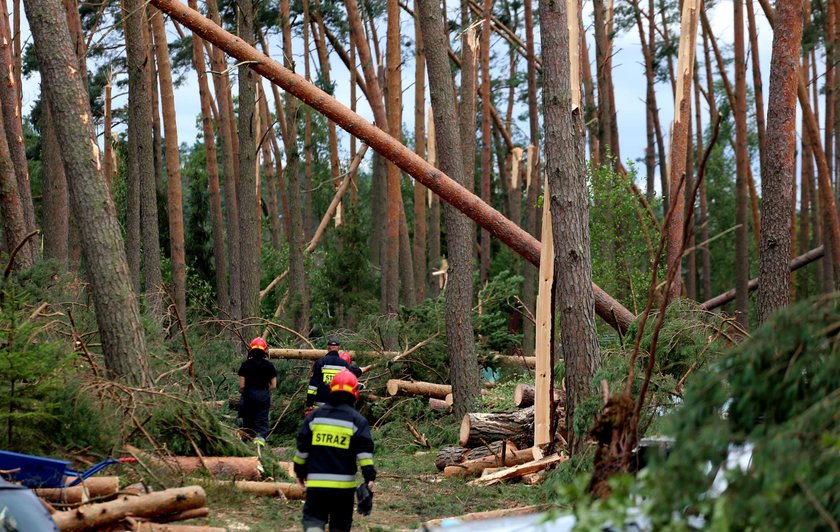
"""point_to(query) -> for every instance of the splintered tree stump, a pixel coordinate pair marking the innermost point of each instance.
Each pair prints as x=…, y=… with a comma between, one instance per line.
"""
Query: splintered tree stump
x=472, y=468
x=95, y=516
x=289, y=490
x=525, y=394
x=88, y=489
x=518, y=426
x=429, y=389
x=455, y=455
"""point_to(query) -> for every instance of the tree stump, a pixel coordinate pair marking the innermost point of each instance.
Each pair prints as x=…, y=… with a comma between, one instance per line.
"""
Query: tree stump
x=518, y=426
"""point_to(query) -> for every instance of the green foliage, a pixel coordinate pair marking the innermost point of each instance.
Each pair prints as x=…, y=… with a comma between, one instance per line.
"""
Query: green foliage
x=182, y=424
x=497, y=299
x=32, y=368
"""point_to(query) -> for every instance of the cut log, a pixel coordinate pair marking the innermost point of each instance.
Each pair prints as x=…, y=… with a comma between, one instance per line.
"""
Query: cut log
x=472, y=468
x=157, y=527
x=515, y=362
x=523, y=396
x=439, y=405
x=457, y=455
x=520, y=470
x=88, y=489
x=315, y=354
x=534, y=479
x=429, y=389
x=517, y=426
x=238, y=467
x=491, y=514
x=449, y=399
x=195, y=513
x=288, y=490
x=93, y=516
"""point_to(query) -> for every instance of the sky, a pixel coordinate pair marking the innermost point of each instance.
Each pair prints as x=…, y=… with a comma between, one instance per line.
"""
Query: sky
x=628, y=79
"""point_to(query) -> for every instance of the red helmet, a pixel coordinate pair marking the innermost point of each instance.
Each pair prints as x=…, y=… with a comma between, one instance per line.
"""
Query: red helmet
x=344, y=381
x=345, y=356
x=258, y=343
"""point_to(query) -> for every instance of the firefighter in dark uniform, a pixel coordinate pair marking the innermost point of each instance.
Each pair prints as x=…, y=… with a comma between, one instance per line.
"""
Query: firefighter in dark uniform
x=332, y=440
x=257, y=378
x=323, y=371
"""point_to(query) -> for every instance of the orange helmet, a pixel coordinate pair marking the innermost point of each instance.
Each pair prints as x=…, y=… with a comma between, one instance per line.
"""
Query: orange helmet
x=345, y=356
x=344, y=381
x=258, y=343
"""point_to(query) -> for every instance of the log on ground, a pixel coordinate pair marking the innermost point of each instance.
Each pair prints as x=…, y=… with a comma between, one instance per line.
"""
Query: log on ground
x=472, y=468
x=525, y=394
x=94, y=516
x=428, y=389
x=520, y=471
x=288, y=490
x=491, y=514
x=518, y=426
x=515, y=362
x=89, y=488
x=195, y=513
x=439, y=405
x=238, y=467
x=456, y=455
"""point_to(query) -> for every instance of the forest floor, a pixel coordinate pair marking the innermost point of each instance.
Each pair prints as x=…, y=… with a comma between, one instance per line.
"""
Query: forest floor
x=409, y=491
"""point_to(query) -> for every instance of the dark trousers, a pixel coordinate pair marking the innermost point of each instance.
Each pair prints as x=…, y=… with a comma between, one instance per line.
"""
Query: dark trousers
x=253, y=409
x=328, y=505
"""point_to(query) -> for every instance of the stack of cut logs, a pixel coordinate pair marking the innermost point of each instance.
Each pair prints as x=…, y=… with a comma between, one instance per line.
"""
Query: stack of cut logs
x=98, y=503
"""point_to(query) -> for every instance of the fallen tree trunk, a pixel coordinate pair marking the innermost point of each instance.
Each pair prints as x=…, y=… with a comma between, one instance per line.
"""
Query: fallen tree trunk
x=88, y=489
x=472, y=468
x=288, y=490
x=515, y=362
x=315, y=354
x=490, y=514
x=520, y=470
x=517, y=426
x=429, y=389
x=456, y=455
x=524, y=394
x=449, y=190
x=238, y=467
x=93, y=516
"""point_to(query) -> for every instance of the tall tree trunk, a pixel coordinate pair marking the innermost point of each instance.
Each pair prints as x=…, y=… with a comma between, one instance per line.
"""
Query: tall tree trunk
x=776, y=182
x=10, y=100
x=590, y=115
x=108, y=158
x=308, y=215
x=602, y=50
x=141, y=171
x=216, y=219
x=463, y=365
x=758, y=89
x=56, y=200
x=117, y=312
x=742, y=266
x=486, y=136
x=173, y=166
x=564, y=159
x=157, y=137
x=297, y=274
x=247, y=191
x=14, y=225
x=229, y=168
x=394, y=110
x=680, y=132
x=407, y=288
x=828, y=144
x=467, y=106
x=529, y=274
x=434, y=209
x=420, y=149
x=270, y=177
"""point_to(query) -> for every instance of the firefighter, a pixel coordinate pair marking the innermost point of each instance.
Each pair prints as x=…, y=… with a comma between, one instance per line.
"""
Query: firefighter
x=257, y=378
x=355, y=370
x=323, y=371
x=332, y=440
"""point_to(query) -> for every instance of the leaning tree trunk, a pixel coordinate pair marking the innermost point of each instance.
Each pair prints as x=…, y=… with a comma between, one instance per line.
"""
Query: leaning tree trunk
x=249, y=206
x=117, y=311
x=173, y=166
x=459, y=290
x=780, y=164
x=564, y=147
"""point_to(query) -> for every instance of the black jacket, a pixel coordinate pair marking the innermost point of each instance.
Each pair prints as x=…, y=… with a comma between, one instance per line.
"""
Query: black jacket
x=331, y=441
x=323, y=371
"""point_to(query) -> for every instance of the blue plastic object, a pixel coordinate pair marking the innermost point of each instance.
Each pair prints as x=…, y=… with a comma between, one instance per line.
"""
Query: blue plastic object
x=39, y=472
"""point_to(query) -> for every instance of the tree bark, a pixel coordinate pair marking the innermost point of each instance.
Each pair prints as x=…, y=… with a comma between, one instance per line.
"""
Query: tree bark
x=524, y=394
x=173, y=165
x=247, y=190
x=456, y=455
x=742, y=266
x=14, y=224
x=516, y=426
x=117, y=312
x=288, y=490
x=602, y=51
x=529, y=274
x=777, y=180
x=434, y=212
x=56, y=201
x=267, y=134
x=428, y=389
x=463, y=365
x=486, y=137
x=569, y=201
x=216, y=219
x=420, y=149
x=758, y=89
x=473, y=468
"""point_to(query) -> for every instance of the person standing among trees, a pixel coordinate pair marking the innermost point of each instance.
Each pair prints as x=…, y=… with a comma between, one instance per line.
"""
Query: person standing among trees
x=257, y=378
x=323, y=371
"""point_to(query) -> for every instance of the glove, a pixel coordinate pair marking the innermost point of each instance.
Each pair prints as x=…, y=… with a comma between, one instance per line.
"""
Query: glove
x=308, y=411
x=301, y=471
x=364, y=499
